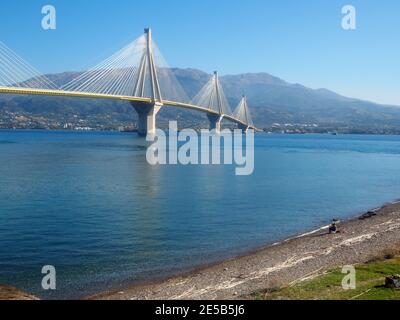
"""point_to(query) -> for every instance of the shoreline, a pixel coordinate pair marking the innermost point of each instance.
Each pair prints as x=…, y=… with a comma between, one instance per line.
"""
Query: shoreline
x=278, y=264
x=262, y=131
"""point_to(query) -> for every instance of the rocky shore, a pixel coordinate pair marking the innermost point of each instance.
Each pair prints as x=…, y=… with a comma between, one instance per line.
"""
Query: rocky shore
x=11, y=293
x=372, y=235
x=369, y=236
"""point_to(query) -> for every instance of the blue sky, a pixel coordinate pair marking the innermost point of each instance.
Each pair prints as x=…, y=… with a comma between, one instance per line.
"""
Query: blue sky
x=299, y=41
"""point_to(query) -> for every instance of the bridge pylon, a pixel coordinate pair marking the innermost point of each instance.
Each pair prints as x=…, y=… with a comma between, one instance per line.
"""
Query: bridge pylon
x=216, y=119
x=147, y=74
x=242, y=113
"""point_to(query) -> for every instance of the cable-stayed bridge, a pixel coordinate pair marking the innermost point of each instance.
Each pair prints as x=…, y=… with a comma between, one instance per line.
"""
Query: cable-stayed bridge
x=137, y=73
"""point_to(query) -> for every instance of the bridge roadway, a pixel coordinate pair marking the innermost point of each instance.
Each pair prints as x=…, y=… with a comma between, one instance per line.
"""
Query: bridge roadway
x=61, y=93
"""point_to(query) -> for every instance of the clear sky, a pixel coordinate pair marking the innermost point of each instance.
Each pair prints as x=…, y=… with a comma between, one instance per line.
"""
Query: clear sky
x=298, y=41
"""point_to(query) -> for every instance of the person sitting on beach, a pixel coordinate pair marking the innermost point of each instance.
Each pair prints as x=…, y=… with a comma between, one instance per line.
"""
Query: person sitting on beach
x=333, y=229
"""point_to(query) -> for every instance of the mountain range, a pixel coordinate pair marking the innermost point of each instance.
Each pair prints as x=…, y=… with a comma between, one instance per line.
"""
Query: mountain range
x=272, y=101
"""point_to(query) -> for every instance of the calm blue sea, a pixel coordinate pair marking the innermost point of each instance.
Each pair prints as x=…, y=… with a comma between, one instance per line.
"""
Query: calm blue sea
x=89, y=204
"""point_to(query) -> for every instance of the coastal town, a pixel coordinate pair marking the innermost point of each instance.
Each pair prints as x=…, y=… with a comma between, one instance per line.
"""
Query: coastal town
x=23, y=120
x=20, y=120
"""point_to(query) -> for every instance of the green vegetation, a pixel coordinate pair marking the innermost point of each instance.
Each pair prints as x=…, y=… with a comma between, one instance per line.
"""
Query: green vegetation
x=370, y=278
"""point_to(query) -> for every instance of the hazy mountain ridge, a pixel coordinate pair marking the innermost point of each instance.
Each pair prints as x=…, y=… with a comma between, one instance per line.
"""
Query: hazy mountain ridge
x=271, y=99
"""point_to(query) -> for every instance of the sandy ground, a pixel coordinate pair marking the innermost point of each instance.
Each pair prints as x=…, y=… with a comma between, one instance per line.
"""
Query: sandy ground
x=285, y=263
x=11, y=293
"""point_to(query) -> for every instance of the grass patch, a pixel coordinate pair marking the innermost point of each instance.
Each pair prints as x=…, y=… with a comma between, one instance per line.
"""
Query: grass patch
x=370, y=285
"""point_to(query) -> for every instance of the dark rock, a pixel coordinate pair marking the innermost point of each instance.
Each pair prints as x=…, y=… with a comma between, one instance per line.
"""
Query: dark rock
x=393, y=282
x=367, y=215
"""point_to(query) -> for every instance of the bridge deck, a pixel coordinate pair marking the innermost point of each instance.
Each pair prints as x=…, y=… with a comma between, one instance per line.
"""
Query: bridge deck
x=62, y=93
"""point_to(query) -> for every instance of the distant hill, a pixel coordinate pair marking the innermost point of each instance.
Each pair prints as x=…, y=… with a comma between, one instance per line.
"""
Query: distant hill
x=272, y=100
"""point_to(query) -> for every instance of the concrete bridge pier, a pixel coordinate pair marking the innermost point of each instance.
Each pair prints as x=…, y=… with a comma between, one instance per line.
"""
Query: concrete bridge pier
x=215, y=122
x=147, y=113
x=244, y=128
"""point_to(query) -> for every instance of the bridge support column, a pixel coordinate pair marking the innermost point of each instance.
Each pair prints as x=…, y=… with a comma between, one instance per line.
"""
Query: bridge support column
x=215, y=122
x=147, y=117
